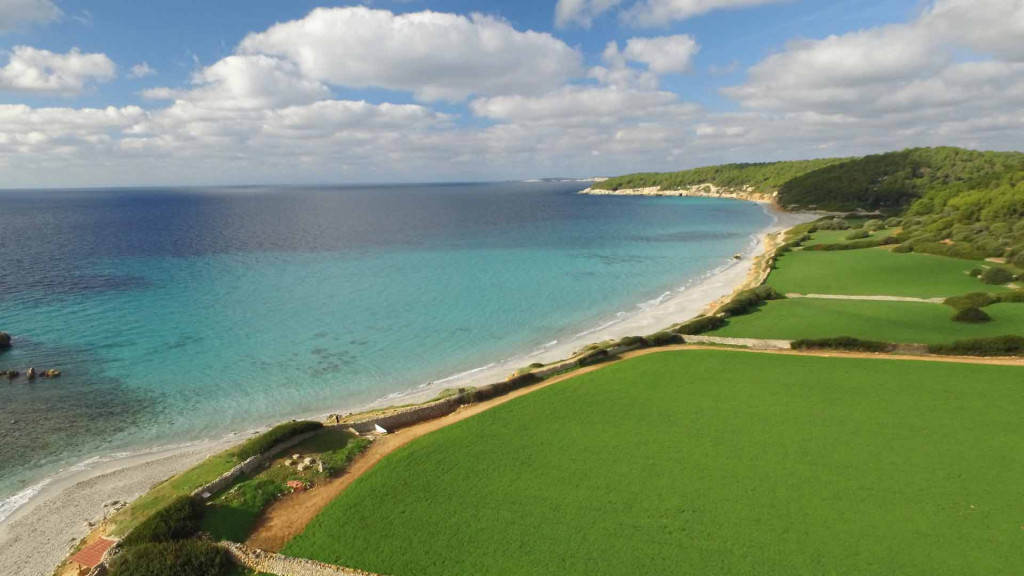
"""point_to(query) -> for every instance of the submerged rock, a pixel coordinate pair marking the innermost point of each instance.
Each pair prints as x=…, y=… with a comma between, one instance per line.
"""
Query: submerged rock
x=50, y=373
x=5, y=340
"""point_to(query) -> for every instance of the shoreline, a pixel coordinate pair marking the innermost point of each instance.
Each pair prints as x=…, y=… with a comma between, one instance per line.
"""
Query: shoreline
x=40, y=532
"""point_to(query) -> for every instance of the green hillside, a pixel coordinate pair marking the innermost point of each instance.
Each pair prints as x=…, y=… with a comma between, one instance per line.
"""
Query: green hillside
x=763, y=176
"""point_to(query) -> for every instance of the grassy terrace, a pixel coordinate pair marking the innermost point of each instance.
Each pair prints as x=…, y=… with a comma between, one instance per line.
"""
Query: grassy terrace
x=875, y=271
x=706, y=462
x=901, y=322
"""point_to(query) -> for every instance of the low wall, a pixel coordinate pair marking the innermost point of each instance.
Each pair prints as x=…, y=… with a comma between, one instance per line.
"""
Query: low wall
x=410, y=416
x=755, y=343
x=271, y=563
x=250, y=464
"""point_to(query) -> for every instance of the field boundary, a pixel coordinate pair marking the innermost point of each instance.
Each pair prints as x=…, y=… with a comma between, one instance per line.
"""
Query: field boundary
x=878, y=298
x=274, y=563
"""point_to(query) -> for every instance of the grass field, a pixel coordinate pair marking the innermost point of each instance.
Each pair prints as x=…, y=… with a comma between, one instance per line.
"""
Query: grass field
x=839, y=236
x=711, y=463
x=904, y=322
x=875, y=271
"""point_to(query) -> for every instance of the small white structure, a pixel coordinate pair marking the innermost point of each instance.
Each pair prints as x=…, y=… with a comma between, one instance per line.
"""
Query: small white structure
x=379, y=429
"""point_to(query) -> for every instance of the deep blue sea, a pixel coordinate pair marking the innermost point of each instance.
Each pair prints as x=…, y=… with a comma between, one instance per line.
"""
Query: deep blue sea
x=177, y=315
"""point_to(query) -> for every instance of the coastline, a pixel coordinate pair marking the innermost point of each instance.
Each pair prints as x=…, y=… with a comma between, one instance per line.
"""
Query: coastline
x=40, y=533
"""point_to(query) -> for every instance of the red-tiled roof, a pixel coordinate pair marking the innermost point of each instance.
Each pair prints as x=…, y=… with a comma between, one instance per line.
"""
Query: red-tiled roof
x=92, y=554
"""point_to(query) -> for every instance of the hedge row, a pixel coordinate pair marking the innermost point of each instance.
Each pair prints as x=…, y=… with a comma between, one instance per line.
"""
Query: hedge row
x=982, y=299
x=855, y=245
x=701, y=325
x=183, y=558
x=748, y=300
x=996, y=346
x=270, y=438
x=176, y=521
x=841, y=343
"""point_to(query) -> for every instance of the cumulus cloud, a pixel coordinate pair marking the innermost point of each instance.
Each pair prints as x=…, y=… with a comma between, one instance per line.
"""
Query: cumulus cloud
x=41, y=71
x=581, y=12
x=14, y=13
x=665, y=54
x=590, y=103
x=62, y=130
x=141, y=70
x=436, y=56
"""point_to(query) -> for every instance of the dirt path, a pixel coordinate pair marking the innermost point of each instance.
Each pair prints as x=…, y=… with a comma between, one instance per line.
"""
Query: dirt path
x=287, y=517
x=875, y=298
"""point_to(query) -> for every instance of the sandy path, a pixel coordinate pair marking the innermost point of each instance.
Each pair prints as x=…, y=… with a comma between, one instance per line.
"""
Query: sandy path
x=287, y=517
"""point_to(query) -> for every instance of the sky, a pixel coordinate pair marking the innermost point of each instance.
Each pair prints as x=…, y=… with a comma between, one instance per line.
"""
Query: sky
x=128, y=93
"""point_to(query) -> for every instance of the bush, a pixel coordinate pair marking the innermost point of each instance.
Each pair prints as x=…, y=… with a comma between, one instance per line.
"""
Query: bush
x=893, y=222
x=972, y=300
x=185, y=558
x=858, y=234
x=337, y=461
x=593, y=357
x=902, y=248
x=972, y=315
x=874, y=224
x=996, y=346
x=748, y=300
x=631, y=341
x=975, y=272
x=663, y=339
x=997, y=275
x=701, y=325
x=841, y=343
x=1016, y=296
x=834, y=224
x=177, y=520
x=274, y=436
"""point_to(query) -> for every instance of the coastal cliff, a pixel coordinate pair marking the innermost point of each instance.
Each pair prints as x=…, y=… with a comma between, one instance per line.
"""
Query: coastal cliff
x=705, y=190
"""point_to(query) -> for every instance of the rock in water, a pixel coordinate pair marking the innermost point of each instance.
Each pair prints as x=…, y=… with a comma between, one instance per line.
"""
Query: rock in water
x=5, y=340
x=30, y=374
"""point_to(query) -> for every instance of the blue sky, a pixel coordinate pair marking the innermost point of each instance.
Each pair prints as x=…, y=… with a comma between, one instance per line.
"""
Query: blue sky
x=528, y=89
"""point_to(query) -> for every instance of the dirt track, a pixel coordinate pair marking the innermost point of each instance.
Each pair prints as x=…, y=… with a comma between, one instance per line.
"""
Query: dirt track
x=287, y=517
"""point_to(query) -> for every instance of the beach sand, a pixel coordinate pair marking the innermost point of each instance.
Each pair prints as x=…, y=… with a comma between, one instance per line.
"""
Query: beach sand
x=39, y=535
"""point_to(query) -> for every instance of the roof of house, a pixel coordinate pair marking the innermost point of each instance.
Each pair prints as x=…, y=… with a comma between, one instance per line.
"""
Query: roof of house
x=93, y=554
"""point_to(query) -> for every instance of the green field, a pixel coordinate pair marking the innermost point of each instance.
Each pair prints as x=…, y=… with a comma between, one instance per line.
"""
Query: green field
x=902, y=322
x=875, y=271
x=706, y=462
x=839, y=236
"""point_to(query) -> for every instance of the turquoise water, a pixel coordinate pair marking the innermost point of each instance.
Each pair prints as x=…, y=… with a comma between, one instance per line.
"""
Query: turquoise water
x=184, y=314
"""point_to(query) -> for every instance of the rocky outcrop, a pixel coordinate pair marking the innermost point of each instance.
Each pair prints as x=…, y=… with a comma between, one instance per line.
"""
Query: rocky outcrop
x=30, y=374
x=5, y=340
x=706, y=190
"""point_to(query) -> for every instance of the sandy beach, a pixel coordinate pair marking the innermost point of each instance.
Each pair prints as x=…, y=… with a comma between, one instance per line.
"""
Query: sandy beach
x=39, y=534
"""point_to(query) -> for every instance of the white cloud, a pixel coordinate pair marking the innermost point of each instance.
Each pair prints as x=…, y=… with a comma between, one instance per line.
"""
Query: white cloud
x=436, y=56
x=994, y=26
x=581, y=12
x=618, y=73
x=14, y=13
x=592, y=103
x=661, y=12
x=664, y=54
x=141, y=70
x=62, y=130
x=41, y=71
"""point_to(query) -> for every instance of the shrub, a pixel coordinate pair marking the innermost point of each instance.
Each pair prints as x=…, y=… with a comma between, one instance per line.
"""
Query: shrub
x=337, y=461
x=841, y=343
x=874, y=224
x=996, y=346
x=833, y=224
x=701, y=325
x=631, y=341
x=177, y=520
x=972, y=300
x=858, y=234
x=997, y=275
x=274, y=436
x=975, y=272
x=971, y=315
x=893, y=222
x=748, y=300
x=1016, y=296
x=663, y=339
x=902, y=248
x=185, y=558
x=593, y=357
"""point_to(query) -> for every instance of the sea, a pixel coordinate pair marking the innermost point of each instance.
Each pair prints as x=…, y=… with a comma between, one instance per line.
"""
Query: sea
x=176, y=315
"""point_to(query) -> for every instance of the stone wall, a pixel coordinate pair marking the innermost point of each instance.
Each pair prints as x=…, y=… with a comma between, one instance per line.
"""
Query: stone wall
x=271, y=563
x=755, y=343
x=250, y=464
x=409, y=416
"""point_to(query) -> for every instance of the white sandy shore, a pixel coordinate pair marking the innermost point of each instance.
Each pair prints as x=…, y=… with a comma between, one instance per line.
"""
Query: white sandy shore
x=39, y=534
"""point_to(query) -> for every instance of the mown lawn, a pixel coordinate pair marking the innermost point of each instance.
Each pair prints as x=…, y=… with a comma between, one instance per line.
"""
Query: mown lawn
x=875, y=271
x=839, y=236
x=904, y=322
x=710, y=463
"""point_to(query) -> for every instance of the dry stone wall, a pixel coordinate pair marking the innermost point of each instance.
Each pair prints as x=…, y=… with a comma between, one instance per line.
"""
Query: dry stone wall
x=250, y=464
x=755, y=343
x=271, y=563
